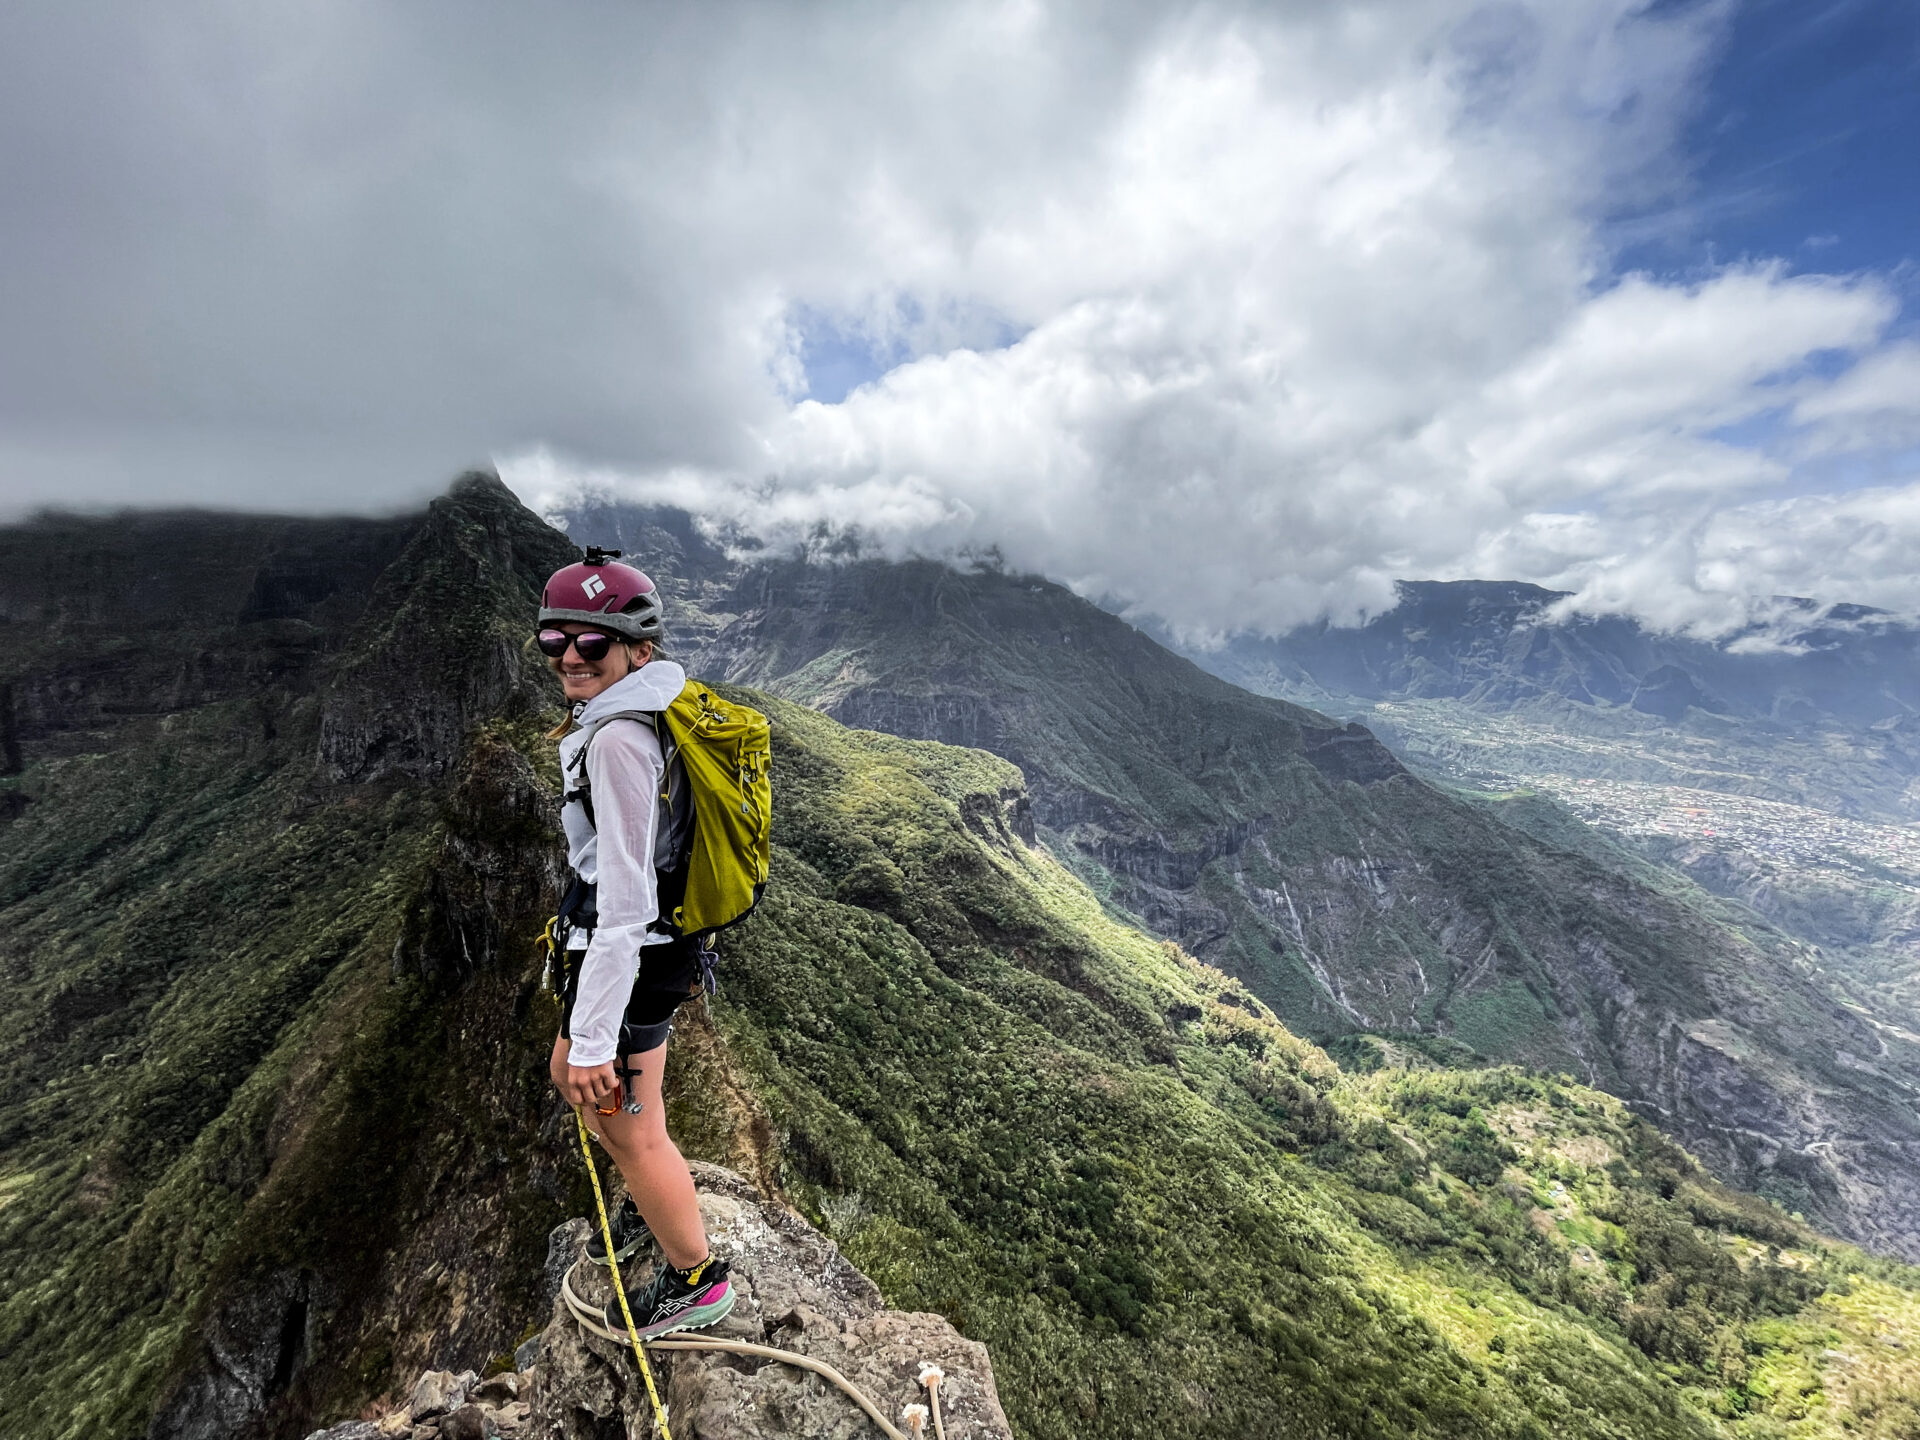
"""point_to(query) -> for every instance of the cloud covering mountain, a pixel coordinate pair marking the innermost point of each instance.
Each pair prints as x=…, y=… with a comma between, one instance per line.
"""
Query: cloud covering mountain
x=1234, y=313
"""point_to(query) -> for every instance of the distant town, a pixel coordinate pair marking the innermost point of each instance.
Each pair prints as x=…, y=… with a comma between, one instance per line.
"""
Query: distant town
x=1791, y=833
x=1508, y=753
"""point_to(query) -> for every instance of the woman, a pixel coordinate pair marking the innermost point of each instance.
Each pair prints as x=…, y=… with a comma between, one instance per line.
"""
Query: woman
x=623, y=972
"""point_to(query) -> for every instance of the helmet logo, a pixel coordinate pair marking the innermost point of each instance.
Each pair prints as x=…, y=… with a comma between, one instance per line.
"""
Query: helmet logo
x=593, y=585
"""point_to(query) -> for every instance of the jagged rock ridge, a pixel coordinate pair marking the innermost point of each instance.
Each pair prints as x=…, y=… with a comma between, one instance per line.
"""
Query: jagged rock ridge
x=796, y=1292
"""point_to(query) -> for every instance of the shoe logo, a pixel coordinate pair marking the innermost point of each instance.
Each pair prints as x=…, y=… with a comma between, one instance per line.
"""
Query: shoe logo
x=593, y=585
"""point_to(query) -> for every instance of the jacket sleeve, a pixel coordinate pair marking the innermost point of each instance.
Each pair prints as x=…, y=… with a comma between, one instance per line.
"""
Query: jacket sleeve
x=624, y=768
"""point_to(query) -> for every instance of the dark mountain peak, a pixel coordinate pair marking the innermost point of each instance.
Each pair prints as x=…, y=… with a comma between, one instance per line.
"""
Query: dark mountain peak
x=1847, y=613
x=667, y=542
x=442, y=641
x=479, y=487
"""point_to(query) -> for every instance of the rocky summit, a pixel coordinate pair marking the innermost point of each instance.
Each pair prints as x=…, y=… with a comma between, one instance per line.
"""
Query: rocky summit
x=797, y=1294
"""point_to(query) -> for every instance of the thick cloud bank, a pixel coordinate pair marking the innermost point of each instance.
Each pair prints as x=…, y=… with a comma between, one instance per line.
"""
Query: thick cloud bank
x=1236, y=313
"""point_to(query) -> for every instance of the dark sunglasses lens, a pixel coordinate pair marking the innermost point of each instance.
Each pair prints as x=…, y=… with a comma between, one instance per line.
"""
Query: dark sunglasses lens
x=592, y=645
x=552, y=642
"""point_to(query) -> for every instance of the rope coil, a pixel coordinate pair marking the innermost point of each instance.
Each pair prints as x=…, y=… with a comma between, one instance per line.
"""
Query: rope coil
x=583, y=1315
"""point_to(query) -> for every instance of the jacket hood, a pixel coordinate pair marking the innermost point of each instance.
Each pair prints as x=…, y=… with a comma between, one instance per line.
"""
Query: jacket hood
x=654, y=686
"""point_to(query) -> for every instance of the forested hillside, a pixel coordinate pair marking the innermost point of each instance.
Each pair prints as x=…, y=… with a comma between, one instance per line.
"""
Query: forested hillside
x=275, y=1132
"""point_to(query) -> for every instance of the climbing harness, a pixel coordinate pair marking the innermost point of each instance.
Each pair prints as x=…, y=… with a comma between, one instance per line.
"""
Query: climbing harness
x=585, y=1316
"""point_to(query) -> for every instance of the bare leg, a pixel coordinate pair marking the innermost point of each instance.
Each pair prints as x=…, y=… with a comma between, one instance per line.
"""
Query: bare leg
x=656, y=1174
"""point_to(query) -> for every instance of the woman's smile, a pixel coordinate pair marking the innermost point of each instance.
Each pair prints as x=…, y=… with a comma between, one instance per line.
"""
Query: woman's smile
x=582, y=679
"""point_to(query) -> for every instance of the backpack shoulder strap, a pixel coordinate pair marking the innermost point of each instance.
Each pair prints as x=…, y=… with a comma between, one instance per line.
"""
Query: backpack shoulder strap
x=577, y=786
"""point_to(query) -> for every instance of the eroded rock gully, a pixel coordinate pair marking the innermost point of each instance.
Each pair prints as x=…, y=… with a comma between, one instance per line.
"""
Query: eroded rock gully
x=796, y=1292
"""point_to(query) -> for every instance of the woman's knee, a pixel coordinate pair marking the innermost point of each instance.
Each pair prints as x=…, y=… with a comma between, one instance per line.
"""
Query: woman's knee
x=637, y=1135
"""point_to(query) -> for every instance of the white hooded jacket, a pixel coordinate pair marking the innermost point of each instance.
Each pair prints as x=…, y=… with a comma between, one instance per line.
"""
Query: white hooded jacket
x=615, y=852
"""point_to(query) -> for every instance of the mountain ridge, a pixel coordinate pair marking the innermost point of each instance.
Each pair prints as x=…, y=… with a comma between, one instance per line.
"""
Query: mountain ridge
x=1831, y=701
x=1346, y=897
x=278, y=1058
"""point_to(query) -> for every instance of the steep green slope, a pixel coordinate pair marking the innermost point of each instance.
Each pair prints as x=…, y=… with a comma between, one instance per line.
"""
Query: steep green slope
x=1297, y=854
x=1776, y=767
x=323, y=1154
x=1164, y=1213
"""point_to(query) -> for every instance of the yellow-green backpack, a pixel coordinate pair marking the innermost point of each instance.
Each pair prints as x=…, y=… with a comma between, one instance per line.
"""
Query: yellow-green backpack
x=716, y=806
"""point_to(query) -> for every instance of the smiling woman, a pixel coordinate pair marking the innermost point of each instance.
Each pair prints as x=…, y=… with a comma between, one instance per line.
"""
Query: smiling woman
x=623, y=969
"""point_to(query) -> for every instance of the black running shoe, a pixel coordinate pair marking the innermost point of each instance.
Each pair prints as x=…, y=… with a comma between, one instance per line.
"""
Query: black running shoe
x=630, y=1232
x=667, y=1303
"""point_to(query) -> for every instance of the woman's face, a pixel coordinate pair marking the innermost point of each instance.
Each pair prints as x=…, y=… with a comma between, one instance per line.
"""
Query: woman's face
x=584, y=679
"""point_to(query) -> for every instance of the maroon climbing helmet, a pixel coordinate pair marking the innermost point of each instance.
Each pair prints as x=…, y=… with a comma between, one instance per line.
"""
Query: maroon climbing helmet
x=597, y=591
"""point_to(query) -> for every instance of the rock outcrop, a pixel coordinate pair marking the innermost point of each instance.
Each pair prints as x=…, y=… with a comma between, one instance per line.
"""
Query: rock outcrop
x=796, y=1291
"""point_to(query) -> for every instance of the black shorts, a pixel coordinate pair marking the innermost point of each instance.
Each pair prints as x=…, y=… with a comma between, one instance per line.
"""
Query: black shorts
x=669, y=975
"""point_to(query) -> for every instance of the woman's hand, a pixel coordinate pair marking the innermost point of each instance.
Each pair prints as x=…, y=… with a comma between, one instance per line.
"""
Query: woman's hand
x=582, y=1084
x=596, y=1085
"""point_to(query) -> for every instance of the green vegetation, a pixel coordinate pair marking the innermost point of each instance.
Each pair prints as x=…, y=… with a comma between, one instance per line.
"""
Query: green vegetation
x=275, y=1076
x=1113, y=1165
x=1349, y=896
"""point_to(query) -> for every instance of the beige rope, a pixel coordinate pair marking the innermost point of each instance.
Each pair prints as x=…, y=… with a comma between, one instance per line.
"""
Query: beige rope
x=584, y=1314
x=930, y=1376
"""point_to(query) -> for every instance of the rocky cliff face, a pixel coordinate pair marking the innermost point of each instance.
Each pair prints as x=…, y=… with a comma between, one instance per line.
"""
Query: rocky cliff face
x=797, y=1293
x=445, y=639
x=269, y=963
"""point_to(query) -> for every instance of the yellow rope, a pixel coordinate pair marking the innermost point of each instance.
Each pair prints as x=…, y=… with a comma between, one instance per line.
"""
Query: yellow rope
x=619, y=1287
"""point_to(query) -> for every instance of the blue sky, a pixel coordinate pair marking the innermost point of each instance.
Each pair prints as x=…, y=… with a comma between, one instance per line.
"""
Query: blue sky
x=1806, y=144
x=1805, y=148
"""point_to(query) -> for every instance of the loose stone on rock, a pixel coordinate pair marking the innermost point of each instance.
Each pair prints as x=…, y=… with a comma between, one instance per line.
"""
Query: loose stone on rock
x=497, y=1390
x=437, y=1392
x=469, y=1422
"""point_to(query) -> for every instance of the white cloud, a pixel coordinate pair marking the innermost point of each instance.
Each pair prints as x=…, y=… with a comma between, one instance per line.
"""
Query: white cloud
x=1872, y=408
x=1306, y=296
x=1325, y=306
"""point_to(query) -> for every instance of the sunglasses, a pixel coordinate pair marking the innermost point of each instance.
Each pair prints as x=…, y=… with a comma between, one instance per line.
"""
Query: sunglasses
x=589, y=646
